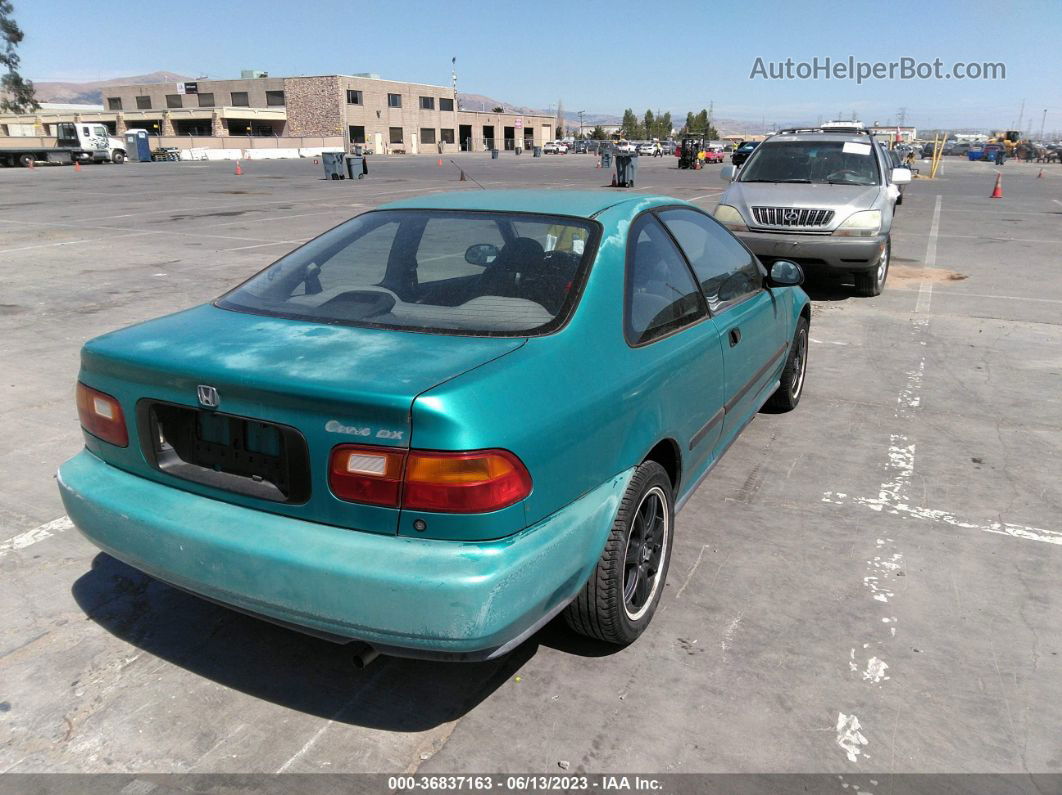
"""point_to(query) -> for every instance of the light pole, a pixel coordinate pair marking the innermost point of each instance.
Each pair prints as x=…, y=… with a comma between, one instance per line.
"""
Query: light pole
x=581, y=125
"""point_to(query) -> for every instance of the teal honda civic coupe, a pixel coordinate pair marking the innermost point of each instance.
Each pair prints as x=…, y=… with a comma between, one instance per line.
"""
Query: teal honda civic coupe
x=442, y=423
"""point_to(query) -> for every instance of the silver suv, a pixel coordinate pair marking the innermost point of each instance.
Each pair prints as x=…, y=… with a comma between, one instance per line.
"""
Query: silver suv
x=823, y=198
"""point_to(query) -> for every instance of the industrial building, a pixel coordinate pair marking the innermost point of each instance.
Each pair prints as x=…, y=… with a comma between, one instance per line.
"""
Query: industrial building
x=385, y=116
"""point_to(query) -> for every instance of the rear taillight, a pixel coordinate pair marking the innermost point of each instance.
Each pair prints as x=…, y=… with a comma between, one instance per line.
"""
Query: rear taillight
x=101, y=415
x=371, y=475
x=422, y=480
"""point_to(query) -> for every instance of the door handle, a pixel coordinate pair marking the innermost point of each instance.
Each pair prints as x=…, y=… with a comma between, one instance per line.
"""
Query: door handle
x=735, y=336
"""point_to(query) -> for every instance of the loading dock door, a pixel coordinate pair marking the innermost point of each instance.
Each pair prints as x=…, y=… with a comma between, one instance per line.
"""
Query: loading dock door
x=465, y=137
x=510, y=137
x=488, y=136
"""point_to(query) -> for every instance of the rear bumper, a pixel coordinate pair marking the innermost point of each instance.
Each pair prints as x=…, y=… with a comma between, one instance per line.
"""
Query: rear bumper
x=845, y=254
x=404, y=596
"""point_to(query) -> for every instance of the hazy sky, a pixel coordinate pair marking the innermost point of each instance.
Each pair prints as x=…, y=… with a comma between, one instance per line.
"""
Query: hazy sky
x=596, y=56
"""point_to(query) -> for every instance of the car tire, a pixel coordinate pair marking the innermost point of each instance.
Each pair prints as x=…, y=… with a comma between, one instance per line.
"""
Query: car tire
x=118, y=158
x=619, y=600
x=870, y=283
x=26, y=160
x=791, y=384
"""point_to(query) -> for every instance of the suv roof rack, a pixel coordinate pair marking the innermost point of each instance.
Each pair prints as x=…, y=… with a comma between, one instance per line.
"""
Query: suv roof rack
x=824, y=129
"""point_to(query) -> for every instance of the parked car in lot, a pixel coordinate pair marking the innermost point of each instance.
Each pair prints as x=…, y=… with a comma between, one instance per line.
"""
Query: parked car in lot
x=443, y=422
x=714, y=154
x=824, y=199
x=741, y=154
x=555, y=148
x=626, y=148
x=648, y=149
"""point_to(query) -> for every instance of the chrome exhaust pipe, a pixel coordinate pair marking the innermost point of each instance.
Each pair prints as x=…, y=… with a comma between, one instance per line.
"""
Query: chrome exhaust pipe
x=364, y=657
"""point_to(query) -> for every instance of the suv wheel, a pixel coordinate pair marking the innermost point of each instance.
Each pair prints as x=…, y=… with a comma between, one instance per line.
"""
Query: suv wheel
x=872, y=282
x=618, y=601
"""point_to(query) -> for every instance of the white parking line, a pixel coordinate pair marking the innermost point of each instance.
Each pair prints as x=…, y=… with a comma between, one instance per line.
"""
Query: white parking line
x=31, y=537
x=925, y=289
x=71, y=242
x=263, y=245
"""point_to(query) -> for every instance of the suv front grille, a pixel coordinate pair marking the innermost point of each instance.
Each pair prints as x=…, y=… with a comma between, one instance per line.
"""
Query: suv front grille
x=791, y=216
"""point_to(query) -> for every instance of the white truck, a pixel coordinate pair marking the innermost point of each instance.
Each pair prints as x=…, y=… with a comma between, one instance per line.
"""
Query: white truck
x=85, y=142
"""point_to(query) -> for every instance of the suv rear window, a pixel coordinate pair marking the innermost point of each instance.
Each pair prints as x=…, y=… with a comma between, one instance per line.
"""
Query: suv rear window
x=462, y=272
x=832, y=162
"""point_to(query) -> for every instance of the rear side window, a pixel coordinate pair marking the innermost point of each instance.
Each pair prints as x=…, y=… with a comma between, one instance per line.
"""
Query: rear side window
x=463, y=272
x=661, y=295
x=728, y=273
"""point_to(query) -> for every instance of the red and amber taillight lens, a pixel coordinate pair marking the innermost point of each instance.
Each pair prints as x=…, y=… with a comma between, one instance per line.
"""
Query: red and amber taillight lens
x=101, y=415
x=422, y=480
x=474, y=482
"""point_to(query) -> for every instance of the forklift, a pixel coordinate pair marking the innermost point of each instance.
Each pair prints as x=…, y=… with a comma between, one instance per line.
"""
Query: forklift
x=691, y=146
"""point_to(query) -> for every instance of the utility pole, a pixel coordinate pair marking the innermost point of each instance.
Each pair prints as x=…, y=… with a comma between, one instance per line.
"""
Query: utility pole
x=1043, y=120
x=711, y=107
x=453, y=77
x=1021, y=116
x=581, y=123
x=901, y=117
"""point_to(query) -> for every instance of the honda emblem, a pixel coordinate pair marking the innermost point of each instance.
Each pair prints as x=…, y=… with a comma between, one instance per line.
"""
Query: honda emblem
x=208, y=396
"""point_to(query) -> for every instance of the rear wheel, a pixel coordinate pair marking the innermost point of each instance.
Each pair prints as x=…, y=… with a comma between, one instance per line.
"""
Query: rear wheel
x=872, y=282
x=619, y=600
x=791, y=384
x=118, y=157
x=26, y=161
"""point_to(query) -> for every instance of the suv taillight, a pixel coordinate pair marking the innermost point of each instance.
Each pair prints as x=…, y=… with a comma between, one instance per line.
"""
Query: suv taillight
x=101, y=415
x=476, y=481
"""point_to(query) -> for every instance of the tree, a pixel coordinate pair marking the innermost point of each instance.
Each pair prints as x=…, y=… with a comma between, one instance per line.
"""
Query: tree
x=649, y=125
x=688, y=127
x=632, y=128
x=560, y=118
x=598, y=133
x=18, y=93
x=497, y=109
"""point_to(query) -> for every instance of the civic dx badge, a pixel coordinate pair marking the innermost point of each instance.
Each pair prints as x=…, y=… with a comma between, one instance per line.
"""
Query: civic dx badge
x=208, y=396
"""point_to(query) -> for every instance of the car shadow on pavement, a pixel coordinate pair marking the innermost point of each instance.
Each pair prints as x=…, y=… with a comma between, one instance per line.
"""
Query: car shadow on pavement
x=285, y=667
x=821, y=287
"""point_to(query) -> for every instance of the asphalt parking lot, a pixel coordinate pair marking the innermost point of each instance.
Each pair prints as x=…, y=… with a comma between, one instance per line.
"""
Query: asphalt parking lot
x=869, y=584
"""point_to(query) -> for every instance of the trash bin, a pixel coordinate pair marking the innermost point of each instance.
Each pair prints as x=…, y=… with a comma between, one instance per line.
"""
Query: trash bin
x=536, y=152
x=334, y=168
x=357, y=166
x=626, y=166
x=606, y=159
x=518, y=150
x=493, y=154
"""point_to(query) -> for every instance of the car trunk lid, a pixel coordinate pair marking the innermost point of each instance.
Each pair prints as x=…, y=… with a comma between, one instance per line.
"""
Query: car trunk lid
x=287, y=392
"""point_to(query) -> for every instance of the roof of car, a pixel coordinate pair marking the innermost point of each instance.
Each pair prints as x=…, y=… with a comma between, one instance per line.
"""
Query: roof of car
x=580, y=203
x=859, y=136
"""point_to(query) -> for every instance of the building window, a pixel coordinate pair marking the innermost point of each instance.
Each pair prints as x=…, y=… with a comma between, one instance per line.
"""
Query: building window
x=427, y=103
x=143, y=103
x=446, y=104
x=396, y=135
x=394, y=100
x=114, y=103
x=427, y=135
x=275, y=98
x=354, y=97
x=206, y=100
x=239, y=99
x=172, y=101
x=357, y=134
x=446, y=136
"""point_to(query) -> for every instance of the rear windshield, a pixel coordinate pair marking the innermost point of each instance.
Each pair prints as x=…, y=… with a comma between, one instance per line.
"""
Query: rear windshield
x=833, y=162
x=475, y=273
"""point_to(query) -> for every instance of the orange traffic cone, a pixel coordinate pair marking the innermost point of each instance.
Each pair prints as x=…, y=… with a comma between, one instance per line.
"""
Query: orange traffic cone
x=239, y=171
x=77, y=165
x=440, y=162
x=613, y=180
x=315, y=161
x=462, y=179
x=997, y=191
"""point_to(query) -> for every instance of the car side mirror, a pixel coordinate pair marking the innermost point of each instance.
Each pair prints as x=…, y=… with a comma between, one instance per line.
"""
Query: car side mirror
x=901, y=176
x=785, y=274
x=727, y=173
x=481, y=254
